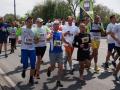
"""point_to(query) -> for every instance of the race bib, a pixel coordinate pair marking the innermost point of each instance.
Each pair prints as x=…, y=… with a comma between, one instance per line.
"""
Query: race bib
x=13, y=34
x=85, y=39
x=28, y=41
x=96, y=38
x=57, y=43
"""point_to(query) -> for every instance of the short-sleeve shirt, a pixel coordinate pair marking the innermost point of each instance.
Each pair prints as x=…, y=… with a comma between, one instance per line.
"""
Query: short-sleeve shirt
x=110, y=29
x=27, y=38
x=116, y=31
x=73, y=31
x=41, y=33
x=95, y=31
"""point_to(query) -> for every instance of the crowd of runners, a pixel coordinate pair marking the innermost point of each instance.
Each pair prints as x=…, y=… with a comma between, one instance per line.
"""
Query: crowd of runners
x=33, y=36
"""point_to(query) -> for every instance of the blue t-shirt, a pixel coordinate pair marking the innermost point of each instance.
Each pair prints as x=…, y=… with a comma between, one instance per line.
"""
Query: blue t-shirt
x=3, y=30
x=56, y=43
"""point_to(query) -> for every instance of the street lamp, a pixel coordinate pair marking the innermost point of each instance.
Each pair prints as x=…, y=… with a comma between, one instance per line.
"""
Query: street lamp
x=15, y=9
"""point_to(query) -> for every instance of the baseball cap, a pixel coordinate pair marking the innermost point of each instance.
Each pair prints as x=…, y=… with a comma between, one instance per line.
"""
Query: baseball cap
x=39, y=19
x=56, y=22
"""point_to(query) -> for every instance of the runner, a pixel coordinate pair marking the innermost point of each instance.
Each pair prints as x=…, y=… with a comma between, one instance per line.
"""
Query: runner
x=95, y=32
x=87, y=23
x=110, y=40
x=116, y=36
x=28, y=49
x=56, y=52
x=3, y=36
x=40, y=44
x=82, y=42
x=69, y=31
x=12, y=36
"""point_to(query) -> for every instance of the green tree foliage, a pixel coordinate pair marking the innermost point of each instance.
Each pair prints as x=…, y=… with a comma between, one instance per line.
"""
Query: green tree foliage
x=51, y=9
x=9, y=17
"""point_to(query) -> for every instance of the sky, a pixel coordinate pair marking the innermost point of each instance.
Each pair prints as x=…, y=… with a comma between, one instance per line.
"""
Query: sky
x=23, y=6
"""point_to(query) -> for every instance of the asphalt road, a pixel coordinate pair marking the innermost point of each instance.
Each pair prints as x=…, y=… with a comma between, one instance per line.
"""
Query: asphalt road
x=94, y=81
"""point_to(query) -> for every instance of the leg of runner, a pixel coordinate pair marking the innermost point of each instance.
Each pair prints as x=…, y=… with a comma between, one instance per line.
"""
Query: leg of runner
x=95, y=56
x=24, y=58
x=69, y=51
x=87, y=64
x=60, y=73
x=50, y=69
x=5, y=48
x=1, y=47
x=32, y=63
x=109, y=53
x=115, y=73
x=38, y=63
x=65, y=61
x=81, y=63
x=40, y=51
x=115, y=59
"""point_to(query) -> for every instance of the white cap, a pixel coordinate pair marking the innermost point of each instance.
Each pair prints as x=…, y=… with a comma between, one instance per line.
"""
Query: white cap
x=56, y=22
x=39, y=20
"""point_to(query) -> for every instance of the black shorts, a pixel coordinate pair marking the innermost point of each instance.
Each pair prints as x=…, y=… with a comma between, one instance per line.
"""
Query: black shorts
x=111, y=46
x=3, y=40
x=40, y=51
x=83, y=55
x=3, y=37
x=13, y=41
x=118, y=50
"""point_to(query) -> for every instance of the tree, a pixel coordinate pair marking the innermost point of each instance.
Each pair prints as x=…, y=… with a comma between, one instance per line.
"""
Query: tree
x=9, y=17
x=73, y=5
x=51, y=9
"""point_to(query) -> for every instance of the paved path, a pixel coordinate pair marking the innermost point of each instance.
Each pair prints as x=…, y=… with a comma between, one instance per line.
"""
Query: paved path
x=102, y=81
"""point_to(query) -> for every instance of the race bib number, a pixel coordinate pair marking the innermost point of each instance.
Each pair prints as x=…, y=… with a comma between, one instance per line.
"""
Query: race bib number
x=85, y=39
x=57, y=43
x=28, y=41
x=13, y=34
x=96, y=38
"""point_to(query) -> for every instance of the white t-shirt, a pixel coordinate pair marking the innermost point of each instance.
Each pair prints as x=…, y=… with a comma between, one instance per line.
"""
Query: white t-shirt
x=95, y=35
x=73, y=31
x=110, y=29
x=12, y=31
x=27, y=38
x=41, y=33
x=116, y=31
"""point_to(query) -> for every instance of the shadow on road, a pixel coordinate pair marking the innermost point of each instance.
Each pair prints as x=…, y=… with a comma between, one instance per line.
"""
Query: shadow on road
x=25, y=86
x=117, y=85
x=6, y=88
x=104, y=75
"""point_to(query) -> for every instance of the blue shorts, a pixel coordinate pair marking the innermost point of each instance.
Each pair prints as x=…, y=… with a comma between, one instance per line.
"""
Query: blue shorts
x=28, y=55
x=111, y=46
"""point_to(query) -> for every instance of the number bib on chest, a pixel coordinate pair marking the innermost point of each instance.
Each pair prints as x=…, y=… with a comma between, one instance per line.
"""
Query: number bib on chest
x=57, y=43
x=85, y=40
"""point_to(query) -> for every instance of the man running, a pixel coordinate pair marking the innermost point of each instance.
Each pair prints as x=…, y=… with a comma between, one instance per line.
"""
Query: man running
x=28, y=49
x=12, y=36
x=3, y=36
x=56, y=53
x=116, y=36
x=40, y=44
x=69, y=31
x=95, y=33
x=110, y=40
x=82, y=42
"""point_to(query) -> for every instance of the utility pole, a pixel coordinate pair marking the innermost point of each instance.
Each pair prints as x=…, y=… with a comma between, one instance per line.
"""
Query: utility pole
x=15, y=9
